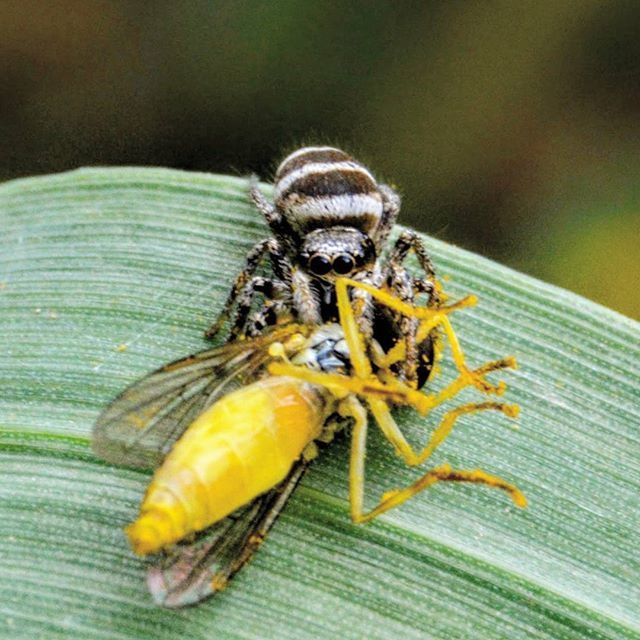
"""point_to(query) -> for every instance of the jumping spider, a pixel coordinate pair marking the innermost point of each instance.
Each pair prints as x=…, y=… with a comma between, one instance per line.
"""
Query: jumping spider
x=330, y=217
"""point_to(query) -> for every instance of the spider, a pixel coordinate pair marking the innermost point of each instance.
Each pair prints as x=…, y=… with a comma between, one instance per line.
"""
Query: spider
x=331, y=218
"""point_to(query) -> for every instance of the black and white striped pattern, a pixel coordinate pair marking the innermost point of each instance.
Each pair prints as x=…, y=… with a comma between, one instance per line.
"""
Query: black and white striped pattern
x=322, y=186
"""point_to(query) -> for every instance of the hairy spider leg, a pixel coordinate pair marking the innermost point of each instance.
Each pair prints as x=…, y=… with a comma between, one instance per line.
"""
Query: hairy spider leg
x=403, y=285
x=246, y=285
x=390, y=211
x=273, y=312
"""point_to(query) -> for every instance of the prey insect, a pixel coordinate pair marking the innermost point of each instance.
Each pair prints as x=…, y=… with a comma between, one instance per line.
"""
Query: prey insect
x=231, y=431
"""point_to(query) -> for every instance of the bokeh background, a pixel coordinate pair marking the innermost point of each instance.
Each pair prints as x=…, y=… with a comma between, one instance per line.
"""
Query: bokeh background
x=511, y=128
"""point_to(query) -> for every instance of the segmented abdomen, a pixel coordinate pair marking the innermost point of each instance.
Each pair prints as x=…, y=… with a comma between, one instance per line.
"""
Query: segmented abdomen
x=243, y=445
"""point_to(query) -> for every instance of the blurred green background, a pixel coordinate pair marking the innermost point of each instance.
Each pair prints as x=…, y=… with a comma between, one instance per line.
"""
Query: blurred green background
x=511, y=128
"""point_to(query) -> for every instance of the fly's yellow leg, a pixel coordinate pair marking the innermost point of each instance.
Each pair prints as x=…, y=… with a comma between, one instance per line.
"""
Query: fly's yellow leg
x=447, y=423
x=443, y=473
x=341, y=385
x=422, y=402
x=351, y=407
x=431, y=318
x=426, y=326
x=389, y=300
x=392, y=432
x=378, y=394
x=355, y=342
x=362, y=366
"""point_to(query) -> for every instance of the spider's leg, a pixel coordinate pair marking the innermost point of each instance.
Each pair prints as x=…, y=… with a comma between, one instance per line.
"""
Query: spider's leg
x=306, y=304
x=401, y=285
x=263, y=205
x=276, y=221
x=411, y=241
x=390, y=211
x=279, y=263
x=269, y=288
x=363, y=306
x=271, y=314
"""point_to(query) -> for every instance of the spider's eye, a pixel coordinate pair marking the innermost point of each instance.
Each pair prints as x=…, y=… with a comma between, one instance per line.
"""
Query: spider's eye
x=343, y=264
x=319, y=265
x=359, y=260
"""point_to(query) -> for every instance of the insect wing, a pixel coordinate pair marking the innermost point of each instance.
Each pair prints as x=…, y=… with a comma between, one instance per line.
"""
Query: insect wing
x=141, y=425
x=192, y=572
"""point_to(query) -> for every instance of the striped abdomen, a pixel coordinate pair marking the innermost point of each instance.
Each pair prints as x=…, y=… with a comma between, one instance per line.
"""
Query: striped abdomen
x=320, y=186
x=243, y=445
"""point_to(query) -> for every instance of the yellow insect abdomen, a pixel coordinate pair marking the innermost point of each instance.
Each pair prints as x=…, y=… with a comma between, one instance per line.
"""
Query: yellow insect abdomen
x=240, y=447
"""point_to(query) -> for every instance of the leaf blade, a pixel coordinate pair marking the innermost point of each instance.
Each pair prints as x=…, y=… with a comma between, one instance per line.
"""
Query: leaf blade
x=99, y=258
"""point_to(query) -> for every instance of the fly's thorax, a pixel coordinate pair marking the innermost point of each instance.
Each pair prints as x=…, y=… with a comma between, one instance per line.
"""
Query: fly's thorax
x=318, y=187
x=326, y=350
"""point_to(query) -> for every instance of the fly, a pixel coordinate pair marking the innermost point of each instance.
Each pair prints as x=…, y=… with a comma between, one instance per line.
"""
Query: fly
x=231, y=431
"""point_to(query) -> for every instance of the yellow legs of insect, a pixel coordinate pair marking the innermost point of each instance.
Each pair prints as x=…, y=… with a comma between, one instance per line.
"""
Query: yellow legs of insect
x=380, y=389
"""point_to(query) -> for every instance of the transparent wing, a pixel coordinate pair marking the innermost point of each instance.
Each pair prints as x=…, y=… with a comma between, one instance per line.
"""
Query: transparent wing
x=141, y=425
x=191, y=572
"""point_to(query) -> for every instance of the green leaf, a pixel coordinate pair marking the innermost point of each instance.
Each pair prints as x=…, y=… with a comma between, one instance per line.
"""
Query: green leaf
x=108, y=273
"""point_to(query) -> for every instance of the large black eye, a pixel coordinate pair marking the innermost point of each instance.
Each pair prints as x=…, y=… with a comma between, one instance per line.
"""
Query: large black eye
x=319, y=265
x=343, y=264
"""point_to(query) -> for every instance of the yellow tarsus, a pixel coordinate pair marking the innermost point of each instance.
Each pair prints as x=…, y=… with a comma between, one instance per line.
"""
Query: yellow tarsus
x=444, y=473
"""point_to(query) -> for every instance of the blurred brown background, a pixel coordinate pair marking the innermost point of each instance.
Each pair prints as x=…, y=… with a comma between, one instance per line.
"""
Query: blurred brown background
x=511, y=128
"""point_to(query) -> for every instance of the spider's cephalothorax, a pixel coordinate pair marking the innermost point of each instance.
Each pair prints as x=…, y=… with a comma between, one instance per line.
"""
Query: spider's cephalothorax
x=329, y=218
x=320, y=191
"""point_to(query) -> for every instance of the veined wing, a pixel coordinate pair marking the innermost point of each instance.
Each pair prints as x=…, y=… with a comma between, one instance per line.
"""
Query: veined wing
x=141, y=425
x=191, y=572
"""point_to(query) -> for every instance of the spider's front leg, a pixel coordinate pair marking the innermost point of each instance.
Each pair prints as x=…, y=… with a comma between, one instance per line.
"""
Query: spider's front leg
x=411, y=241
x=401, y=285
x=390, y=211
x=274, y=218
x=281, y=270
x=406, y=288
x=273, y=312
x=277, y=300
x=306, y=303
x=362, y=302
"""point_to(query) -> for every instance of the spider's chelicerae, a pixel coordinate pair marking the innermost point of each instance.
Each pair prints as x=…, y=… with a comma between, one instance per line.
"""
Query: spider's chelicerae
x=330, y=218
